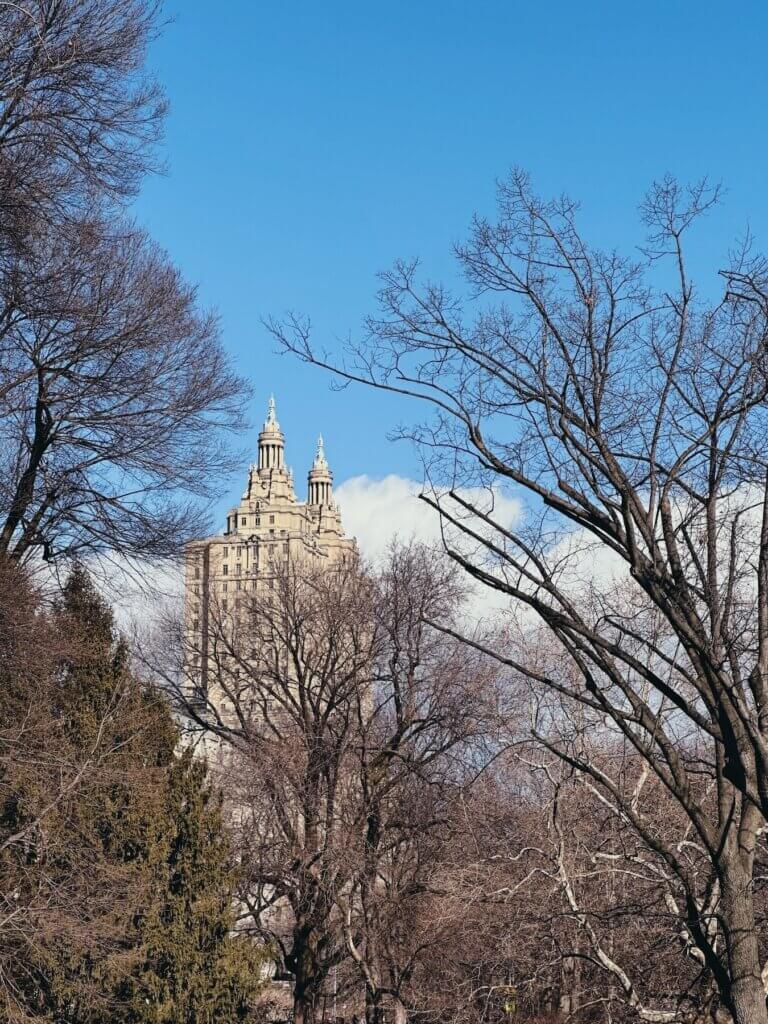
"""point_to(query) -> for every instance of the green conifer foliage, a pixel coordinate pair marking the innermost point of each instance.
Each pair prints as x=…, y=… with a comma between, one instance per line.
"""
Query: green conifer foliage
x=128, y=880
x=194, y=970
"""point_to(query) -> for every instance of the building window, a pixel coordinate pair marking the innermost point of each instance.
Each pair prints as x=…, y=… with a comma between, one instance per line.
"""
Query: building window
x=271, y=533
x=197, y=572
x=239, y=585
x=224, y=551
x=224, y=587
x=225, y=569
x=271, y=584
x=238, y=569
x=257, y=520
x=223, y=606
x=239, y=551
x=196, y=624
x=243, y=520
x=197, y=591
x=271, y=519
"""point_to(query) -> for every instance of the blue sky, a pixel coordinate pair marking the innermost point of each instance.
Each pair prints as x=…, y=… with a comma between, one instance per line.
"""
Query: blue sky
x=309, y=145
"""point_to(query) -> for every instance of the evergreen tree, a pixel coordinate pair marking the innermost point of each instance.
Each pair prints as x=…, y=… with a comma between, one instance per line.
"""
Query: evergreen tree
x=194, y=970
x=139, y=849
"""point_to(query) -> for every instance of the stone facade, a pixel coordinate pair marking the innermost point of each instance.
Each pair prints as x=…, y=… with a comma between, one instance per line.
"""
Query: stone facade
x=266, y=529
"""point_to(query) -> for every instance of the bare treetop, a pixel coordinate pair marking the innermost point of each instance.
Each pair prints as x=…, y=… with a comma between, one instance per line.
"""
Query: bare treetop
x=630, y=408
x=115, y=390
x=116, y=393
x=78, y=113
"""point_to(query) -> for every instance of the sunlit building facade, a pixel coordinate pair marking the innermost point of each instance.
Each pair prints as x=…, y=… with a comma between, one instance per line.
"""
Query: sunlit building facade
x=269, y=528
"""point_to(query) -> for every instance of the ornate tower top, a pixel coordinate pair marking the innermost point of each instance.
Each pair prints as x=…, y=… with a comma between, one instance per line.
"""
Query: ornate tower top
x=320, y=479
x=271, y=441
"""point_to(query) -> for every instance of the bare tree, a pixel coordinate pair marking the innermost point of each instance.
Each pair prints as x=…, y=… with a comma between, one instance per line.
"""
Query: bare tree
x=287, y=660
x=115, y=391
x=496, y=907
x=423, y=733
x=623, y=906
x=116, y=396
x=78, y=114
x=631, y=413
x=339, y=719
x=549, y=903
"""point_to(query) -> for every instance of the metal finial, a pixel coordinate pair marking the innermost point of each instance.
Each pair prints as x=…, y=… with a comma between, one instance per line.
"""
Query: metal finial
x=320, y=454
x=271, y=420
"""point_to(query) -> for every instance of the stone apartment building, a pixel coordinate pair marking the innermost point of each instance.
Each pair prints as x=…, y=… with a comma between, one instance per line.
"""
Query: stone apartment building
x=268, y=527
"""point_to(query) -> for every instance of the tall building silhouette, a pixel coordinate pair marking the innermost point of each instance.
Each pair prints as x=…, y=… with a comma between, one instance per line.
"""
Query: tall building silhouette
x=268, y=529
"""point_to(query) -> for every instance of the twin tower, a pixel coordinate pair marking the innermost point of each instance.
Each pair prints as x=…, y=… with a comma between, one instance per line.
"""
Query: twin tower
x=269, y=508
x=272, y=460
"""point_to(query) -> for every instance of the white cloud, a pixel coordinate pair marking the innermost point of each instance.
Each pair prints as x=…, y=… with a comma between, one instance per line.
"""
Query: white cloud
x=375, y=511
x=138, y=591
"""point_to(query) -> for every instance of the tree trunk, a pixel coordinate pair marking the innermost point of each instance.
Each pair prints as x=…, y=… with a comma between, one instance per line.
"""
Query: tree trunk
x=747, y=995
x=303, y=1007
x=306, y=981
x=399, y=1012
x=373, y=1007
x=569, y=985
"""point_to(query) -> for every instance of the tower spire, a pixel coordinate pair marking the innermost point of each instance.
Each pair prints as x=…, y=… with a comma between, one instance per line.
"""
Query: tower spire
x=320, y=460
x=271, y=420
